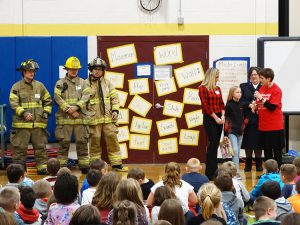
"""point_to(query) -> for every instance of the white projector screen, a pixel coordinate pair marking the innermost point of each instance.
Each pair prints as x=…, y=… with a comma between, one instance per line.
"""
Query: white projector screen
x=283, y=56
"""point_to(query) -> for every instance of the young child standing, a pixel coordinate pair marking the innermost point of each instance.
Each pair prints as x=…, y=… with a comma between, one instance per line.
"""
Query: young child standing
x=234, y=123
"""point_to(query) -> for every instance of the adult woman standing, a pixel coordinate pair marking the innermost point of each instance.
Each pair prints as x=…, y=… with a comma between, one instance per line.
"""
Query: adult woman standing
x=251, y=134
x=270, y=116
x=213, y=117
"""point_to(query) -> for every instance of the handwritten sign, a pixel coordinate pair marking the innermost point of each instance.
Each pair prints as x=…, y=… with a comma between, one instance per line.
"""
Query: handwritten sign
x=117, y=79
x=173, y=108
x=191, y=96
x=140, y=105
x=194, y=118
x=121, y=55
x=232, y=73
x=167, y=146
x=167, y=127
x=189, y=137
x=123, y=150
x=163, y=72
x=141, y=125
x=123, y=134
x=165, y=87
x=139, y=142
x=168, y=54
x=138, y=86
x=123, y=117
x=122, y=97
x=189, y=74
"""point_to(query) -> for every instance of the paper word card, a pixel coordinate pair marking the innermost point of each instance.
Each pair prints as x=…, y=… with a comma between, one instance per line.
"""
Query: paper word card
x=189, y=137
x=191, y=96
x=123, y=134
x=122, y=97
x=123, y=150
x=140, y=105
x=121, y=55
x=173, y=108
x=140, y=125
x=138, y=86
x=123, y=117
x=168, y=54
x=167, y=127
x=167, y=146
x=194, y=118
x=165, y=87
x=189, y=74
x=139, y=142
x=117, y=79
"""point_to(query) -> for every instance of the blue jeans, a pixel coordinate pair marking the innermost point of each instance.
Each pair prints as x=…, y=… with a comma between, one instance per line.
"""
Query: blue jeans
x=236, y=142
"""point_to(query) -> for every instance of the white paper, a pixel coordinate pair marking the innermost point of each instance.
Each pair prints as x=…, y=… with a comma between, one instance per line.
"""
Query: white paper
x=143, y=70
x=162, y=72
x=62, y=71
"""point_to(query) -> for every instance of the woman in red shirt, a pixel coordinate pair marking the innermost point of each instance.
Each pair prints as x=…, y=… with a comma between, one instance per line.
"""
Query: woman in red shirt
x=270, y=116
x=213, y=117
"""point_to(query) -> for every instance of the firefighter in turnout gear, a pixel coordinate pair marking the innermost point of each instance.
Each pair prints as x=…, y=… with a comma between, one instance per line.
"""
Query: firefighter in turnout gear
x=105, y=102
x=32, y=105
x=72, y=94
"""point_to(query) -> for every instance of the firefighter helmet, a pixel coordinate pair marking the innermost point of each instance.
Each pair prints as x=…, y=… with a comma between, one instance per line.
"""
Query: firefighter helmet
x=72, y=63
x=97, y=62
x=28, y=64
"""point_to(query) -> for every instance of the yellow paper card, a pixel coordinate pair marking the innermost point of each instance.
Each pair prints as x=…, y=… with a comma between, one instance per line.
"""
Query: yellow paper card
x=140, y=125
x=117, y=79
x=123, y=117
x=122, y=97
x=167, y=146
x=139, y=142
x=140, y=105
x=123, y=150
x=173, y=108
x=138, y=86
x=121, y=55
x=168, y=54
x=189, y=74
x=189, y=137
x=194, y=118
x=167, y=127
x=191, y=96
x=164, y=87
x=123, y=134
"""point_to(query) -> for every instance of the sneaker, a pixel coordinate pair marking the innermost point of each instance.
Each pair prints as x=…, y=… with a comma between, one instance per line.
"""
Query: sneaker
x=42, y=171
x=120, y=168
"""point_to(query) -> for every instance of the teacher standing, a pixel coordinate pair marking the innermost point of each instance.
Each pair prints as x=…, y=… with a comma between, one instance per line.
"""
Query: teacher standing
x=213, y=117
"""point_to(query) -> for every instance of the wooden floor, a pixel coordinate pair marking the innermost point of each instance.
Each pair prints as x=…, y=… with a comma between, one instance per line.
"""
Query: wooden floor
x=152, y=171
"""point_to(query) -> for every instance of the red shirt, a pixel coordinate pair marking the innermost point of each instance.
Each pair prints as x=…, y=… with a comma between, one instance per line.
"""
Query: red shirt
x=270, y=120
x=211, y=100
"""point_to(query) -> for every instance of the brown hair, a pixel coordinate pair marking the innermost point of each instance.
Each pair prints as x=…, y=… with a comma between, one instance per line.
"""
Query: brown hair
x=291, y=219
x=162, y=222
x=257, y=69
x=224, y=182
x=42, y=188
x=9, y=197
x=267, y=73
x=271, y=166
x=7, y=219
x=63, y=170
x=209, y=198
x=289, y=171
x=172, y=175
x=230, y=166
x=50, y=201
x=162, y=193
x=124, y=213
x=261, y=205
x=53, y=166
x=136, y=173
x=103, y=197
x=85, y=214
x=98, y=164
x=171, y=210
x=230, y=93
x=296, y=162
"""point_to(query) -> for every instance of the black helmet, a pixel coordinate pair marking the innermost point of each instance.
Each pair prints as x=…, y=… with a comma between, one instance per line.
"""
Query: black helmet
x=28, y=64
x=97, y=62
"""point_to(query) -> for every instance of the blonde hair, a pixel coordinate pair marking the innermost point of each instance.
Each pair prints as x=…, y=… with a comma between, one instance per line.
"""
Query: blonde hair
x=193, y=163
x=229, y=165
x=9, y=197
x=64, y=170
x=261, y=205
x=42, y=189
x=209, y=197
x=289, y=171
x=210, y=78
x=172, y=175
x=124, y=213
x=230, y=93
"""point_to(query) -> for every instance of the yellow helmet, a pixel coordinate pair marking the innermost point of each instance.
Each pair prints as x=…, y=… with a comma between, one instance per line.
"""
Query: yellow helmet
x=73, y=63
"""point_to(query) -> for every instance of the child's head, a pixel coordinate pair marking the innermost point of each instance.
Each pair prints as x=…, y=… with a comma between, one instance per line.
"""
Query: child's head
x=7, y=218
x=172, y=175
x=162, y=193
x=9, y=199
x=209, y=197
x=291, y=219
x=137, y=174
x=15, y=173
x=288, y=173
x=27, y=197
x=229, y=165
x=103, y=197
x=86, y=215
x=66, y=188
x=296, y=162
x=125, y=213
x=53, y=166
x=212, y=221
x=162, y=222
x=235, y=93
x=271, y=166
x=93, y=177
x=193, y=165
x=224, y=182
x=64, y=170
x=171, y=210
x=99, y=164
x=265, y=208
x=298, y=186
x=271, y=189
x=222, y=171
x=42, y=189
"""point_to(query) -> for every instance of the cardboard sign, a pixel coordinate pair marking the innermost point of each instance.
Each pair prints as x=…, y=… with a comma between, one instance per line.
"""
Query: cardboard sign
x=194, y=118
x=139, y=142
x=189, y=74
x=140, y=125
x=173, y=108
x=140, y=105
x=168, y=54
x=189, y=137
x=167, y=146
x=167, y=127
x=121, y=55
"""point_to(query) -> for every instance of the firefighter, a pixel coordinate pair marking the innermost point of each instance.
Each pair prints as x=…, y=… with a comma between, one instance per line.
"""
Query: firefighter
x=32, y=105
x=72, y=94
x=105, y=102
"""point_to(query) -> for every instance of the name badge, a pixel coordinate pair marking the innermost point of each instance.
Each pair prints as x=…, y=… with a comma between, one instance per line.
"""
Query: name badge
x=217, y=92
x=78, y=87
x=37, y=96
